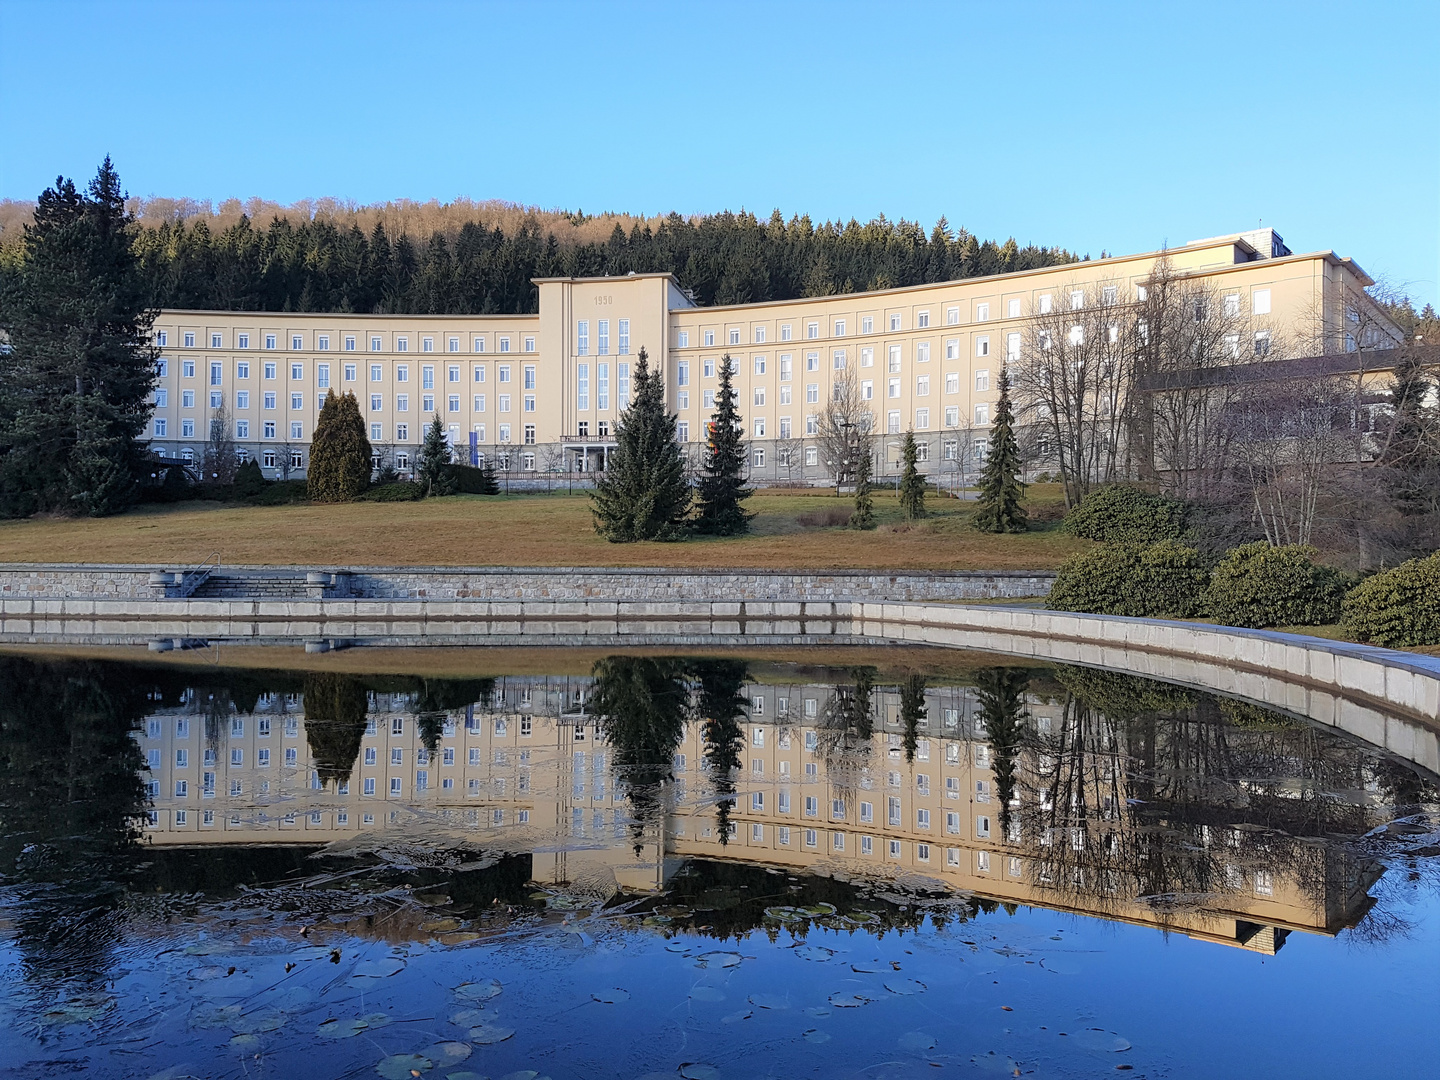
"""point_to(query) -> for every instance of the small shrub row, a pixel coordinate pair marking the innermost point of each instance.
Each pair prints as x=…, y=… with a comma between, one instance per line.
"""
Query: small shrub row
x=1156, y=581
x=399, y=491
x=1397, y=608
x=1121, y=514
x=1254, y=585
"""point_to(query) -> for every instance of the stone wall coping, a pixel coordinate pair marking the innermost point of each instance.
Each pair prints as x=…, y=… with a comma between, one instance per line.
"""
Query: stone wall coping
x=1119, y=629
x=639, y=571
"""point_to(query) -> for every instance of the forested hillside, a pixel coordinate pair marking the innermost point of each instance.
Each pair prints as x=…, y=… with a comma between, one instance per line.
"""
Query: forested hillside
x=324, y=259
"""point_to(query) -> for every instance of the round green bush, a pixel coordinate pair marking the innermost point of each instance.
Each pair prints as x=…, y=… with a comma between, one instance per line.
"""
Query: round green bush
x=1258, y=585
x=1399, y=608
x=1159, y=581
x=1121, y=514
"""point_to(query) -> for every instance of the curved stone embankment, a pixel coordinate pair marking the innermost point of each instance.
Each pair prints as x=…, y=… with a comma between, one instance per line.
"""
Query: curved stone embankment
x=1387, y=697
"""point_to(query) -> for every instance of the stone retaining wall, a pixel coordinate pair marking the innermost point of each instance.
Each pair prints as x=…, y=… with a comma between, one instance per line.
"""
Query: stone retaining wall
x=59, y=582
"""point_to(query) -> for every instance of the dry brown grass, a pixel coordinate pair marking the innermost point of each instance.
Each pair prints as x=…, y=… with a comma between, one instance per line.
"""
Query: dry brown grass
x=530, y=530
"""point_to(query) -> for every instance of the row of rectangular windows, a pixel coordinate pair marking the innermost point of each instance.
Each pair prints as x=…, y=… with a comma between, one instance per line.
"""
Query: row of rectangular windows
x=270, y=370
x=322, y=342
x=1259, y=305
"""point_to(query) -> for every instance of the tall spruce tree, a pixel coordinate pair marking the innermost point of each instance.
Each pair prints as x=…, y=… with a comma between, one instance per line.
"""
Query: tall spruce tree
x=722, y=483
x=864, y=515
x=75, y=382
x=644, y=494
x=912, y=484
x=434, y=456
x=999, y=508
x=339, y=452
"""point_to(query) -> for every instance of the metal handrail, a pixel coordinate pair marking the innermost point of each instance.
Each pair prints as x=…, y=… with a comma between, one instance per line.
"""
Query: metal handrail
x=192, y=579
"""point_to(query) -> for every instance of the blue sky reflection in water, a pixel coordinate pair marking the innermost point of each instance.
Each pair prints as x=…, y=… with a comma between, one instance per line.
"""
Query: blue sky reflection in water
x=196, y=882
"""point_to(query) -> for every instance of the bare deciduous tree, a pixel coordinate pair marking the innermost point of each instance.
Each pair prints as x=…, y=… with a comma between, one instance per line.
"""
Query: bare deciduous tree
x=845, y=426
x=1293, y=445
x=1194, y=342
x=1073, y=378
x=218, y=463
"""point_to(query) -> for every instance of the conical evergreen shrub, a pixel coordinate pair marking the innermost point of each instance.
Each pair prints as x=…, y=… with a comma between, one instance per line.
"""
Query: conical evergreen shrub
x=912, y=484
x=999, y=509
x=644, y=494
x=433, y=474
x=722, y=482
x=339, y=452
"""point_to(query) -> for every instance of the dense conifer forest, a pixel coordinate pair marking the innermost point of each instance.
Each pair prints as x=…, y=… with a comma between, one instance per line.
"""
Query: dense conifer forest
x=472, y=259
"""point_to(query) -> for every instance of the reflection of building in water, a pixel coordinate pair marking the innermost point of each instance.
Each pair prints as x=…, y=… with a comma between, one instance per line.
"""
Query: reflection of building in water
x=1173, y=820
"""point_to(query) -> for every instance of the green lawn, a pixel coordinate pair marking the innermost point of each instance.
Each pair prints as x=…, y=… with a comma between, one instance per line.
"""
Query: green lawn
x=790, y=531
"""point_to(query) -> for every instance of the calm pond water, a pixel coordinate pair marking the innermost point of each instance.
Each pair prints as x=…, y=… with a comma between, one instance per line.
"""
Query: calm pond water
x=700, y=867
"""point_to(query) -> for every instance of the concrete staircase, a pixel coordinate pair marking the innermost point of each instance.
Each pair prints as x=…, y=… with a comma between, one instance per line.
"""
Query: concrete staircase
x=253, y=585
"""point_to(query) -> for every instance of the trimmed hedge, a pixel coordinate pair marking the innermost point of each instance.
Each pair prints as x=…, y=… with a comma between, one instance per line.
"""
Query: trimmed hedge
x=1120, y=514
x=1159, y=581
x=469, y=480
x=1257, y=585
x=400, y=491
x=1398, y=608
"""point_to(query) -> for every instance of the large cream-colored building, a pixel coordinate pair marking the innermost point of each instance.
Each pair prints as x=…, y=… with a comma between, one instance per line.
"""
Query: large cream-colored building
x=542, y=393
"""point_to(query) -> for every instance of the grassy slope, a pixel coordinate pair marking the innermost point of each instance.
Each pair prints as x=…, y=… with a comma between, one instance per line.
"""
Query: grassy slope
x=528, y=530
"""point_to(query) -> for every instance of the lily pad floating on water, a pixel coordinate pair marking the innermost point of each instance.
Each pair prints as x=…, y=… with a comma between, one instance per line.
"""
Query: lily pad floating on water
x=75, y=1013
x=336, y=1028
x=850, y=1001
x=719, y=959
x=440, y=926
x=224, y=1016
x=613, y=996
x=862, y=918
x=400, y=1066
x=917, y=1041
x=706, y=993
x=769, y=1001
x=736, y=1017
x=817, y=1010
x=677, y=947
x=814, y=1035
x=817, y=911
x=448, y=1053
x=905, y=986
x=695, y=1070
x=488, y=1034
x=479, y=991
x=382, y=968
x=813, y=952
x=783, y=914
x=262, y=1020
x=244, y=1041
x=1102, y=1040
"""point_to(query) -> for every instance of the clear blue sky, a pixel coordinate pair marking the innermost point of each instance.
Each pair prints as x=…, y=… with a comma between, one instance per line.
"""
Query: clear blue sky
x=1095, y=126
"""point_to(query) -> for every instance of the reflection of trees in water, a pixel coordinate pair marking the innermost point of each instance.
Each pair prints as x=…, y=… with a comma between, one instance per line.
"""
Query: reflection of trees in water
x=912, y=711
x=846, y=731
x=70, y=796
x=640, y=706
x=1144, y=790
x=1000, y=692
x=335, y=714
x=437, y=698
x=720, y=706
